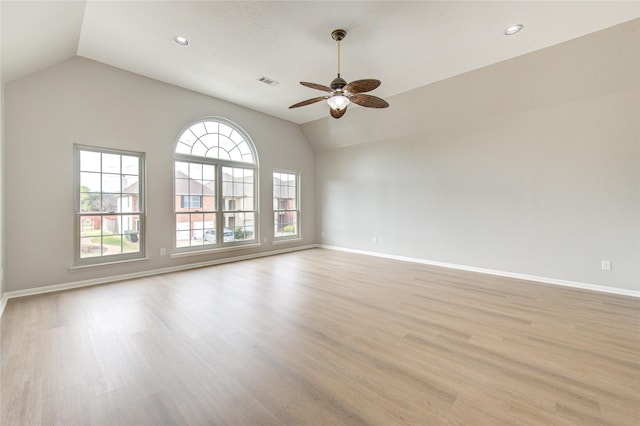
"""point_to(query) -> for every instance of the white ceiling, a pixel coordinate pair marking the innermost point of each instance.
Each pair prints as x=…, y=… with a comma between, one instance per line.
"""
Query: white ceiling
x=232, y=44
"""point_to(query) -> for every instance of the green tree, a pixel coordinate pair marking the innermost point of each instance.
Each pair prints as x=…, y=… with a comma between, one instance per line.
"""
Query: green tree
x=89, y=201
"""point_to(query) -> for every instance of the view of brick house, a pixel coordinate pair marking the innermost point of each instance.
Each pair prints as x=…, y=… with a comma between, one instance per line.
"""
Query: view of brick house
x=129, y=202
x=284, y=219
x=195, y=207
x=284, y=204
x=123, y=222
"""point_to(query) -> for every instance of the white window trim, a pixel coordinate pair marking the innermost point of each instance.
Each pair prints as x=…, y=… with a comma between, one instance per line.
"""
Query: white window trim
x=96, y=265
x=210, y=249
x=285, y=240
x=79, y=262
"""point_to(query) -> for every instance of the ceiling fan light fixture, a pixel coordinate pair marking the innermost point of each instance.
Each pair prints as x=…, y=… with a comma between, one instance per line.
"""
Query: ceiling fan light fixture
x=338, y=102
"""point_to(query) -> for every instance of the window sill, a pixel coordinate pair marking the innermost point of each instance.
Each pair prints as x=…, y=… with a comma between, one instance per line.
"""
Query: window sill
x=178, y=255
x=285, y=241
x=97, y=265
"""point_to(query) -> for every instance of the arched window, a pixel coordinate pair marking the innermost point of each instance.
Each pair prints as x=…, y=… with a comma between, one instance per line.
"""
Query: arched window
x=215, y=186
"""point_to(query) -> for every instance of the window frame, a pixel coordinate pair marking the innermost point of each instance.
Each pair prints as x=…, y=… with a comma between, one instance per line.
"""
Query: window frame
x=80, y=261
x=284, y=211
x=220, y=208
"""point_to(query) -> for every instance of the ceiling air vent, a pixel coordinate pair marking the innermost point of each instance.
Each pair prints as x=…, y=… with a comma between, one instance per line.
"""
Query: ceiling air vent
x=269, y=81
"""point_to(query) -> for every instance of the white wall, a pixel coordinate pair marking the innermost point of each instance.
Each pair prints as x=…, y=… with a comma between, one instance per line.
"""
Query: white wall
x=82, y=101
x=530, y=166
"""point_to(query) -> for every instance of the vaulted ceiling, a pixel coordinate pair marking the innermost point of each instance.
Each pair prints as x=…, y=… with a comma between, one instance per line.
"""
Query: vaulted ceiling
x=232, y=44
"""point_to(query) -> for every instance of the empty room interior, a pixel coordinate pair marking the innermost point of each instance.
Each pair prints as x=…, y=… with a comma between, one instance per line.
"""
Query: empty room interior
x=320, y=212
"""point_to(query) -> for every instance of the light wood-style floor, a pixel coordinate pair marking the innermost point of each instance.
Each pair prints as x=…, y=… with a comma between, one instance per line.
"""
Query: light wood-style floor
x=321, y=337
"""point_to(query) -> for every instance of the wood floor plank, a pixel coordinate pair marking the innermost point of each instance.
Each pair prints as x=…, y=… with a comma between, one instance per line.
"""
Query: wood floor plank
x=321, y=337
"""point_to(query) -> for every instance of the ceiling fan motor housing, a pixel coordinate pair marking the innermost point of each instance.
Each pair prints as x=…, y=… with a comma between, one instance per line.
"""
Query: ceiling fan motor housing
x=338, y=83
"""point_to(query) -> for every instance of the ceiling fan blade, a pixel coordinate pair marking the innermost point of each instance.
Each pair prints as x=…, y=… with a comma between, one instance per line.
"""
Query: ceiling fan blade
x=369, y=101
x=360, y=86
x=317, y=86
x=337, y=114
x=308, y=102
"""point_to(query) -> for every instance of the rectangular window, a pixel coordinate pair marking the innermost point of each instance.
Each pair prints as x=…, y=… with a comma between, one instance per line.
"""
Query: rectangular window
x=238, y=193
x=109, y=205
x=286, y=212
x=195, y=204
x=200, y=212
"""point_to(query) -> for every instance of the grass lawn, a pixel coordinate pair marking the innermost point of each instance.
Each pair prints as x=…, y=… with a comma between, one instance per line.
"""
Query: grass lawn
x=112, y=240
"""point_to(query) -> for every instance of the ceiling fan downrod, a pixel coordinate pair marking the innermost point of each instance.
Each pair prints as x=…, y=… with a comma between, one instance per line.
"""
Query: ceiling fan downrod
x=338, y=35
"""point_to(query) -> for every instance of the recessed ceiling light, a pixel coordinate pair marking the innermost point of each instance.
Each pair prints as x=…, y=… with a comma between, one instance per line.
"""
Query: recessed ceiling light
x=182, y=41
x=513, y=29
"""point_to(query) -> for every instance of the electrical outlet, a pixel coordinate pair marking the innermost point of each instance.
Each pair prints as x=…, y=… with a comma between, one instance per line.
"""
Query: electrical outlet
x=606, y=265
x=374, y=240
x=163, y=251
x=322, y=234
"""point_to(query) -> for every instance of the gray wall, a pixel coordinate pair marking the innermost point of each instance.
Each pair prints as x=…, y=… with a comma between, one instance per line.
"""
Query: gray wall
x=529, y=166
x=1, y=190
x=82, y=101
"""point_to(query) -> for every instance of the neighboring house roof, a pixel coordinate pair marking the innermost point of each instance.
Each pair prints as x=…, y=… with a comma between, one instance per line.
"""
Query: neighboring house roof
x=280, y=191
x=238, y=188
x=132, y=189
x=184, y=183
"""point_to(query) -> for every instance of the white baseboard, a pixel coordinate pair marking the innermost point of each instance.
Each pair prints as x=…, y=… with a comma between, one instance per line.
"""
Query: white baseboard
x=105, y=280
x=545, y=280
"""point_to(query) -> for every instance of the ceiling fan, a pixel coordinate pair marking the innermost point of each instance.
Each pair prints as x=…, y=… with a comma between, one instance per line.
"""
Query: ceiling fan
x=340, y=93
